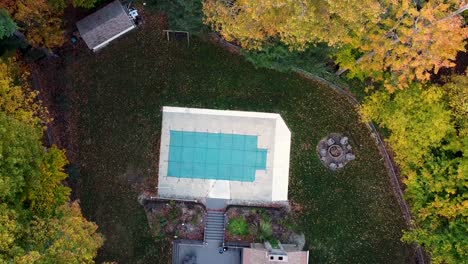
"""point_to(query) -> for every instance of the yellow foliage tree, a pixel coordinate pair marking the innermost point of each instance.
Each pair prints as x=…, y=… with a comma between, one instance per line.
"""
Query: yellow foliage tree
x=65, y=238
x=39, y=21
x=457, y=90
x=16, y=97
x=418, y=119
x=426, y=127
x=393, y=41
x=295, y=23
x=38, y=224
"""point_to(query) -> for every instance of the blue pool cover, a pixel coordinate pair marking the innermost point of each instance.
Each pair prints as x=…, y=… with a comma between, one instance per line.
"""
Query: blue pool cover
x=216, y=156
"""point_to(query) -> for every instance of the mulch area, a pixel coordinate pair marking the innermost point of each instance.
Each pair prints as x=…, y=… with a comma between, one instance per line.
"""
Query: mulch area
x=175, y=220
x=280, y=219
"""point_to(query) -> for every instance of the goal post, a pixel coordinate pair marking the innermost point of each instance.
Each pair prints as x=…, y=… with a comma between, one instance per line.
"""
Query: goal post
x=177, y=35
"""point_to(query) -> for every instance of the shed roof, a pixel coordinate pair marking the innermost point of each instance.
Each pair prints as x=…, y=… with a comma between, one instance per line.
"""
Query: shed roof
x=104, y=25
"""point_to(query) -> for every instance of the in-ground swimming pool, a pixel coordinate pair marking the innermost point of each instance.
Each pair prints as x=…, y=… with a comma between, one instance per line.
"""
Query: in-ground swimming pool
x=215, y=156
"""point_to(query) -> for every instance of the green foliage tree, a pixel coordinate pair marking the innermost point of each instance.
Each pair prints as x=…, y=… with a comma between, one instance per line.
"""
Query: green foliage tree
x=37, y=222
x=7, y=26
x=279, y=57
x=20, y=150
x=437, y=193
x=428, y=135
x=85, y=3
x=61, y=4
x=46, y=192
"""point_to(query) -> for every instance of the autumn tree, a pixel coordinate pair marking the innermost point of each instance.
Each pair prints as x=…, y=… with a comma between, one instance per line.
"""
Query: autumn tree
x=410, y=42
x=41, y=23
x=457, y=93
x=10, y=229
x=17, y=99
x=38, y=224
x=29, y=174
x=64, y=238
x=41, y=20
x=428, y=133
x=395, y=42
x=437, y=193
x=418, y=119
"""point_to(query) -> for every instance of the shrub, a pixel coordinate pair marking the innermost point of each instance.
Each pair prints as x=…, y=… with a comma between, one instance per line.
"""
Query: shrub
x=274, y=243
x=238, y=226
x=265, y=231
x=174, y=212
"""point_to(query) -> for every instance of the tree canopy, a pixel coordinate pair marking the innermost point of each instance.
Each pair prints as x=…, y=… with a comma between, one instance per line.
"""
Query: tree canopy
x=428, y=133
x=41, y=20
x=38, y=224
x=16, y=98
x=7, y=26
x=395, y=42
x=418, y=119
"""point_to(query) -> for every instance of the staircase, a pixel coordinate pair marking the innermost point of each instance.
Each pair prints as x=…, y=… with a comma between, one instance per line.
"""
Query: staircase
x=214, y=227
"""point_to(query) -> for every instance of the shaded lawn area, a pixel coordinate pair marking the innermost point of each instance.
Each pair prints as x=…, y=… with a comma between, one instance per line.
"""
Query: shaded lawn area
x=348, y=217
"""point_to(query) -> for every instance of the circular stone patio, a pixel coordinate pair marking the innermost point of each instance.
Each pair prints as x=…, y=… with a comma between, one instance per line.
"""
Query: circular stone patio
x=335, y=151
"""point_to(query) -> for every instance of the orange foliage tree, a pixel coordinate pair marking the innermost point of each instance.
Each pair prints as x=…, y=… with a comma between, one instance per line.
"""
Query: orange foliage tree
x=40, y=22
x=393, y=41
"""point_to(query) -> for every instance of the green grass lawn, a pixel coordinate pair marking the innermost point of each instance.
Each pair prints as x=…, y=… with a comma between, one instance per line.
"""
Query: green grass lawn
x=349, y=216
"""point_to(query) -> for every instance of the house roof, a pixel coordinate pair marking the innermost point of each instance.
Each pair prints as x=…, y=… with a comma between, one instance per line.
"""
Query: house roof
x=104, y=25
x=260, y=256
x=270, y=184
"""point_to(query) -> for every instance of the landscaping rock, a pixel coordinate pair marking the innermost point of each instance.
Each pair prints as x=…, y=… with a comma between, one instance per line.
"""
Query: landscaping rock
x=344, y=140
x=350, y=156
x=323, y=152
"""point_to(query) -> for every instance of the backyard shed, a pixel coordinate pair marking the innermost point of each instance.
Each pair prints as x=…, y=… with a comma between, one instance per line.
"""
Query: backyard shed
x=105, y=25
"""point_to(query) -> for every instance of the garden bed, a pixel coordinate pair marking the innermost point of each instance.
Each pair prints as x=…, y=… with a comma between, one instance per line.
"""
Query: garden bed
x=249, y=224
x=175, y=220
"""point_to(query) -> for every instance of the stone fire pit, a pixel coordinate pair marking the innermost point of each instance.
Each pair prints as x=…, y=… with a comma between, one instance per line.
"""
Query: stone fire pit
x=335, y=151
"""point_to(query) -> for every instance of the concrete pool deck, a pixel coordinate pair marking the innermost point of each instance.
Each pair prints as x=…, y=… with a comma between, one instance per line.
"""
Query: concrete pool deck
x=270, y=184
